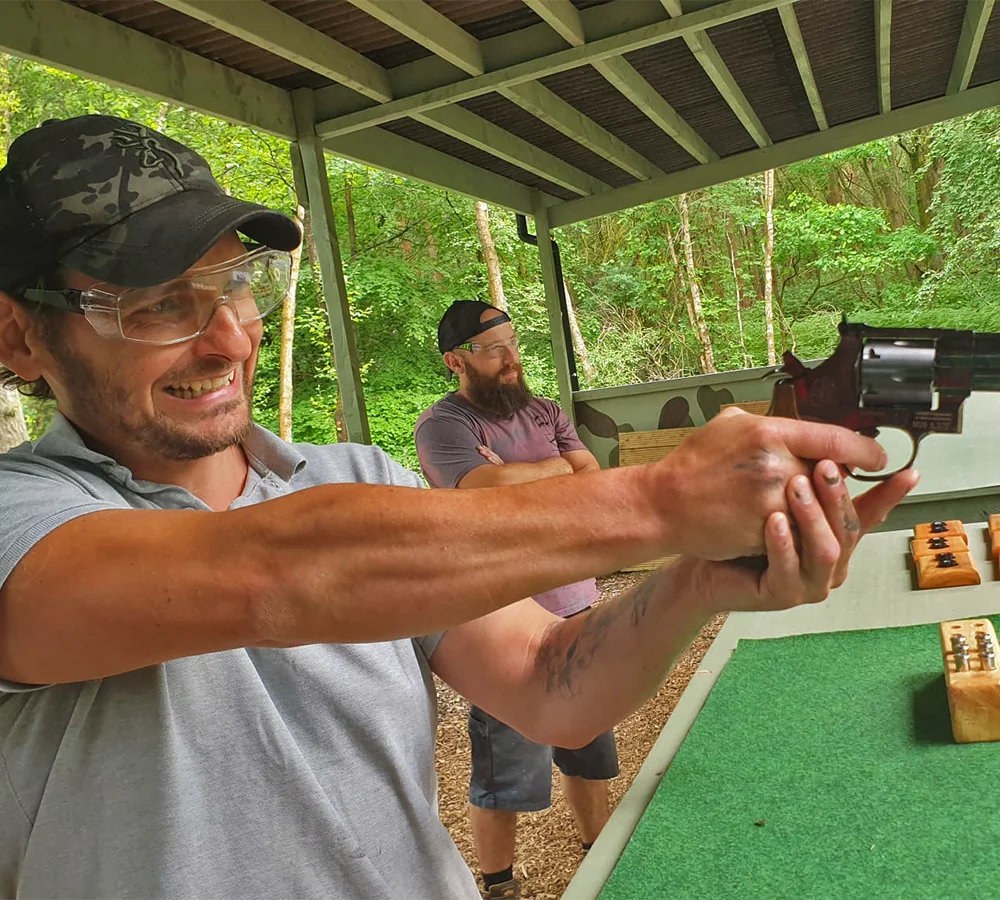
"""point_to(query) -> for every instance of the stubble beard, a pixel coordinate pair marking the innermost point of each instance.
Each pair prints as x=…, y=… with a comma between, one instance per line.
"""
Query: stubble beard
x=158, y=436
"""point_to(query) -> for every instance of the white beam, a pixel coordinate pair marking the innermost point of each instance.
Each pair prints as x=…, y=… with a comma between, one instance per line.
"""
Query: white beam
x=798, y=45
x=58, y=34
x=704, y=51
x=481, y=133
x=538, y=67
x=567, y=119
x=426, y=26
x=784, y=153
x=977, y=14
x=650, y=102
x=883, y=24
x=262, y=25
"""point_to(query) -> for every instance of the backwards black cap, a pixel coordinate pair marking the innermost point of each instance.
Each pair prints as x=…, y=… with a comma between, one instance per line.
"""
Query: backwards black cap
x=461, y=322
x=119, y=202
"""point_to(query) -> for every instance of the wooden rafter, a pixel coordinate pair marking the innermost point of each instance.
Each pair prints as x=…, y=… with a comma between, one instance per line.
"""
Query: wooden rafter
x=700, y=44
x=977, y=14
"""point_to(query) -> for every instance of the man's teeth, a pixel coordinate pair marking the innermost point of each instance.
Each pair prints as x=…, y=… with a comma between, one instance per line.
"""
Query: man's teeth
x=188, y=390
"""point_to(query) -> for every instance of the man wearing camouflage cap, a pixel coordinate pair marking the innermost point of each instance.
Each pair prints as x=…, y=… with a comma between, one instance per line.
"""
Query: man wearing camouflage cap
x=216, y=648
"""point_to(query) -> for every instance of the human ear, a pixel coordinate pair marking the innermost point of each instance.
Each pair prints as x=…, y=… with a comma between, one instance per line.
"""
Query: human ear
x=17, y=340
x=454, y=362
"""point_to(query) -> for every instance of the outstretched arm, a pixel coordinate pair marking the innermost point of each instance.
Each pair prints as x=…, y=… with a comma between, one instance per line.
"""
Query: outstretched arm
x=563, y=682
x=117, y=590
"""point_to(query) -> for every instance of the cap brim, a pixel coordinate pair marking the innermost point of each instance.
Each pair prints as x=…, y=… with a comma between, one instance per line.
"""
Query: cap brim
x=164, y=240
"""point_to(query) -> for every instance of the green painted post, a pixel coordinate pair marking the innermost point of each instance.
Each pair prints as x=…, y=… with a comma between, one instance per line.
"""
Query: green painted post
x=556, y=331
x=345, y=352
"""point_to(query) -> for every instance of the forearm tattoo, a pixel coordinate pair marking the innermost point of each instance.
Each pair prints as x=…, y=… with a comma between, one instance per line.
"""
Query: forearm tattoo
x=559, y=663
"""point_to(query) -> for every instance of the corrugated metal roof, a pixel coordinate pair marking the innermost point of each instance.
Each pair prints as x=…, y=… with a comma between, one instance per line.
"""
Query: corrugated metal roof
x=840, y=37
x=926, y=38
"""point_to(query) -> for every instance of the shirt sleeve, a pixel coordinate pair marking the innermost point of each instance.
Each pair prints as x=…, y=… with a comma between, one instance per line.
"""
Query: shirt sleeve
x=447, y=451
x=35, y=500
x=566, y=436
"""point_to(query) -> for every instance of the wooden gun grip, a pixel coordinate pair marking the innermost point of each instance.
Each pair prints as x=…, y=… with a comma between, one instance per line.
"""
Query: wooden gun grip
x=783, y=402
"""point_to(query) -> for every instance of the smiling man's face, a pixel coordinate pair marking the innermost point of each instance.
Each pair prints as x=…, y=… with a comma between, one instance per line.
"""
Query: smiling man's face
x=167, y=403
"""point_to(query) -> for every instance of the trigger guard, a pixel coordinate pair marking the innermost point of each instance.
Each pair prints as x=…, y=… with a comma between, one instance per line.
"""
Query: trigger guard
x=885, y=476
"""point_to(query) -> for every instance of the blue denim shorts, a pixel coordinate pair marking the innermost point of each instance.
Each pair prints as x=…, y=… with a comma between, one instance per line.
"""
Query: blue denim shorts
x=512, y=773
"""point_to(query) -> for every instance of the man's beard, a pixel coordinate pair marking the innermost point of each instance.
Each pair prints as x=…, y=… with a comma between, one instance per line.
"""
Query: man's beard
x=496, y=397
x=110, y=406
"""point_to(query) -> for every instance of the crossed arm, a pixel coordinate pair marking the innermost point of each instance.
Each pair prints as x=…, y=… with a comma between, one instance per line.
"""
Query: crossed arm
x=501, y=472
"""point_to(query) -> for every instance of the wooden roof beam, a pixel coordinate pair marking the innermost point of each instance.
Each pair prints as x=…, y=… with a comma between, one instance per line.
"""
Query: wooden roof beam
x=563, y=17
x=704, y=50
x=429, y=28
x=568, y=120
x=437, y=90
x=977, y=14
x=483, y=134
x=424, y=25
x=59, y=34
x=883, y=25
x=750, y=162
x=794, y=34
x=394, y=153
x=262, y=25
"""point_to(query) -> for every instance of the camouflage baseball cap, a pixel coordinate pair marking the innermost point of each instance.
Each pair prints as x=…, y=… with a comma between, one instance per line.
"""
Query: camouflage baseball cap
x=119, y=202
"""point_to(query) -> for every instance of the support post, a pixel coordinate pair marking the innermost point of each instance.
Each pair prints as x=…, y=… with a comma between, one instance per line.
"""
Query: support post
x=309, y=163
x=557, y=322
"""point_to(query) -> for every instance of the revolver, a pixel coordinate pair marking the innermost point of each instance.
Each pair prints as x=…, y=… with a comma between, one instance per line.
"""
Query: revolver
x=913, y=379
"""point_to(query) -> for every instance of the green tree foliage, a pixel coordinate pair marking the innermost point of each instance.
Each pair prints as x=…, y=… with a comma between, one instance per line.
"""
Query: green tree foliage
x=902, y=231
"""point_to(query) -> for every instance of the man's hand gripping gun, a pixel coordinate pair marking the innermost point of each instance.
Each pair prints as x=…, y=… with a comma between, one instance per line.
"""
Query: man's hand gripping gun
x=913, y=379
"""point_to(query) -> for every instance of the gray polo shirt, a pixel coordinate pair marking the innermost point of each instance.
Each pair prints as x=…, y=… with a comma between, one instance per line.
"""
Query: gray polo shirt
x=300, y=773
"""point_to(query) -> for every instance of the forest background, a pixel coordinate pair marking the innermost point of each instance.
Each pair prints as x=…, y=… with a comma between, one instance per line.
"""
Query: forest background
x=901, y=231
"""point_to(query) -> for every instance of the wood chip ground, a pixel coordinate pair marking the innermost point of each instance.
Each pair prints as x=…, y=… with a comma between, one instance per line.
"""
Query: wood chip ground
x=548, y=848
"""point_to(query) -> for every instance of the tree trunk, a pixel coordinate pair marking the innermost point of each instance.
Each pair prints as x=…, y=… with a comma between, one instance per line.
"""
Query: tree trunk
x=12, y=428
x=497, y=297
x=579, y=346
x=747, y=361
x=352, y=235
x=406, y=244
x=432, y=251
x=13, y=431
x=161, y=116
x=772, y=356
x=692, y=276
x=287, y=340
x=685, y=294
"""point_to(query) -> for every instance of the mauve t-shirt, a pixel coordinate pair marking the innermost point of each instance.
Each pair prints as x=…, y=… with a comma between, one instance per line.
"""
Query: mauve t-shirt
x=448, y=433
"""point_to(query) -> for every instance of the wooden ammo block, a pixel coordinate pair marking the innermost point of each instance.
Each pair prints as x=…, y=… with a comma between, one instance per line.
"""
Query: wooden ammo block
x=941, y=529
x=994, y=526
x=972, y=679
x=946, y=570
x=931, y=546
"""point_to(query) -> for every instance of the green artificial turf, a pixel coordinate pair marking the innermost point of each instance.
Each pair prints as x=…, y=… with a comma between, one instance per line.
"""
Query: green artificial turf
x=841, y=745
